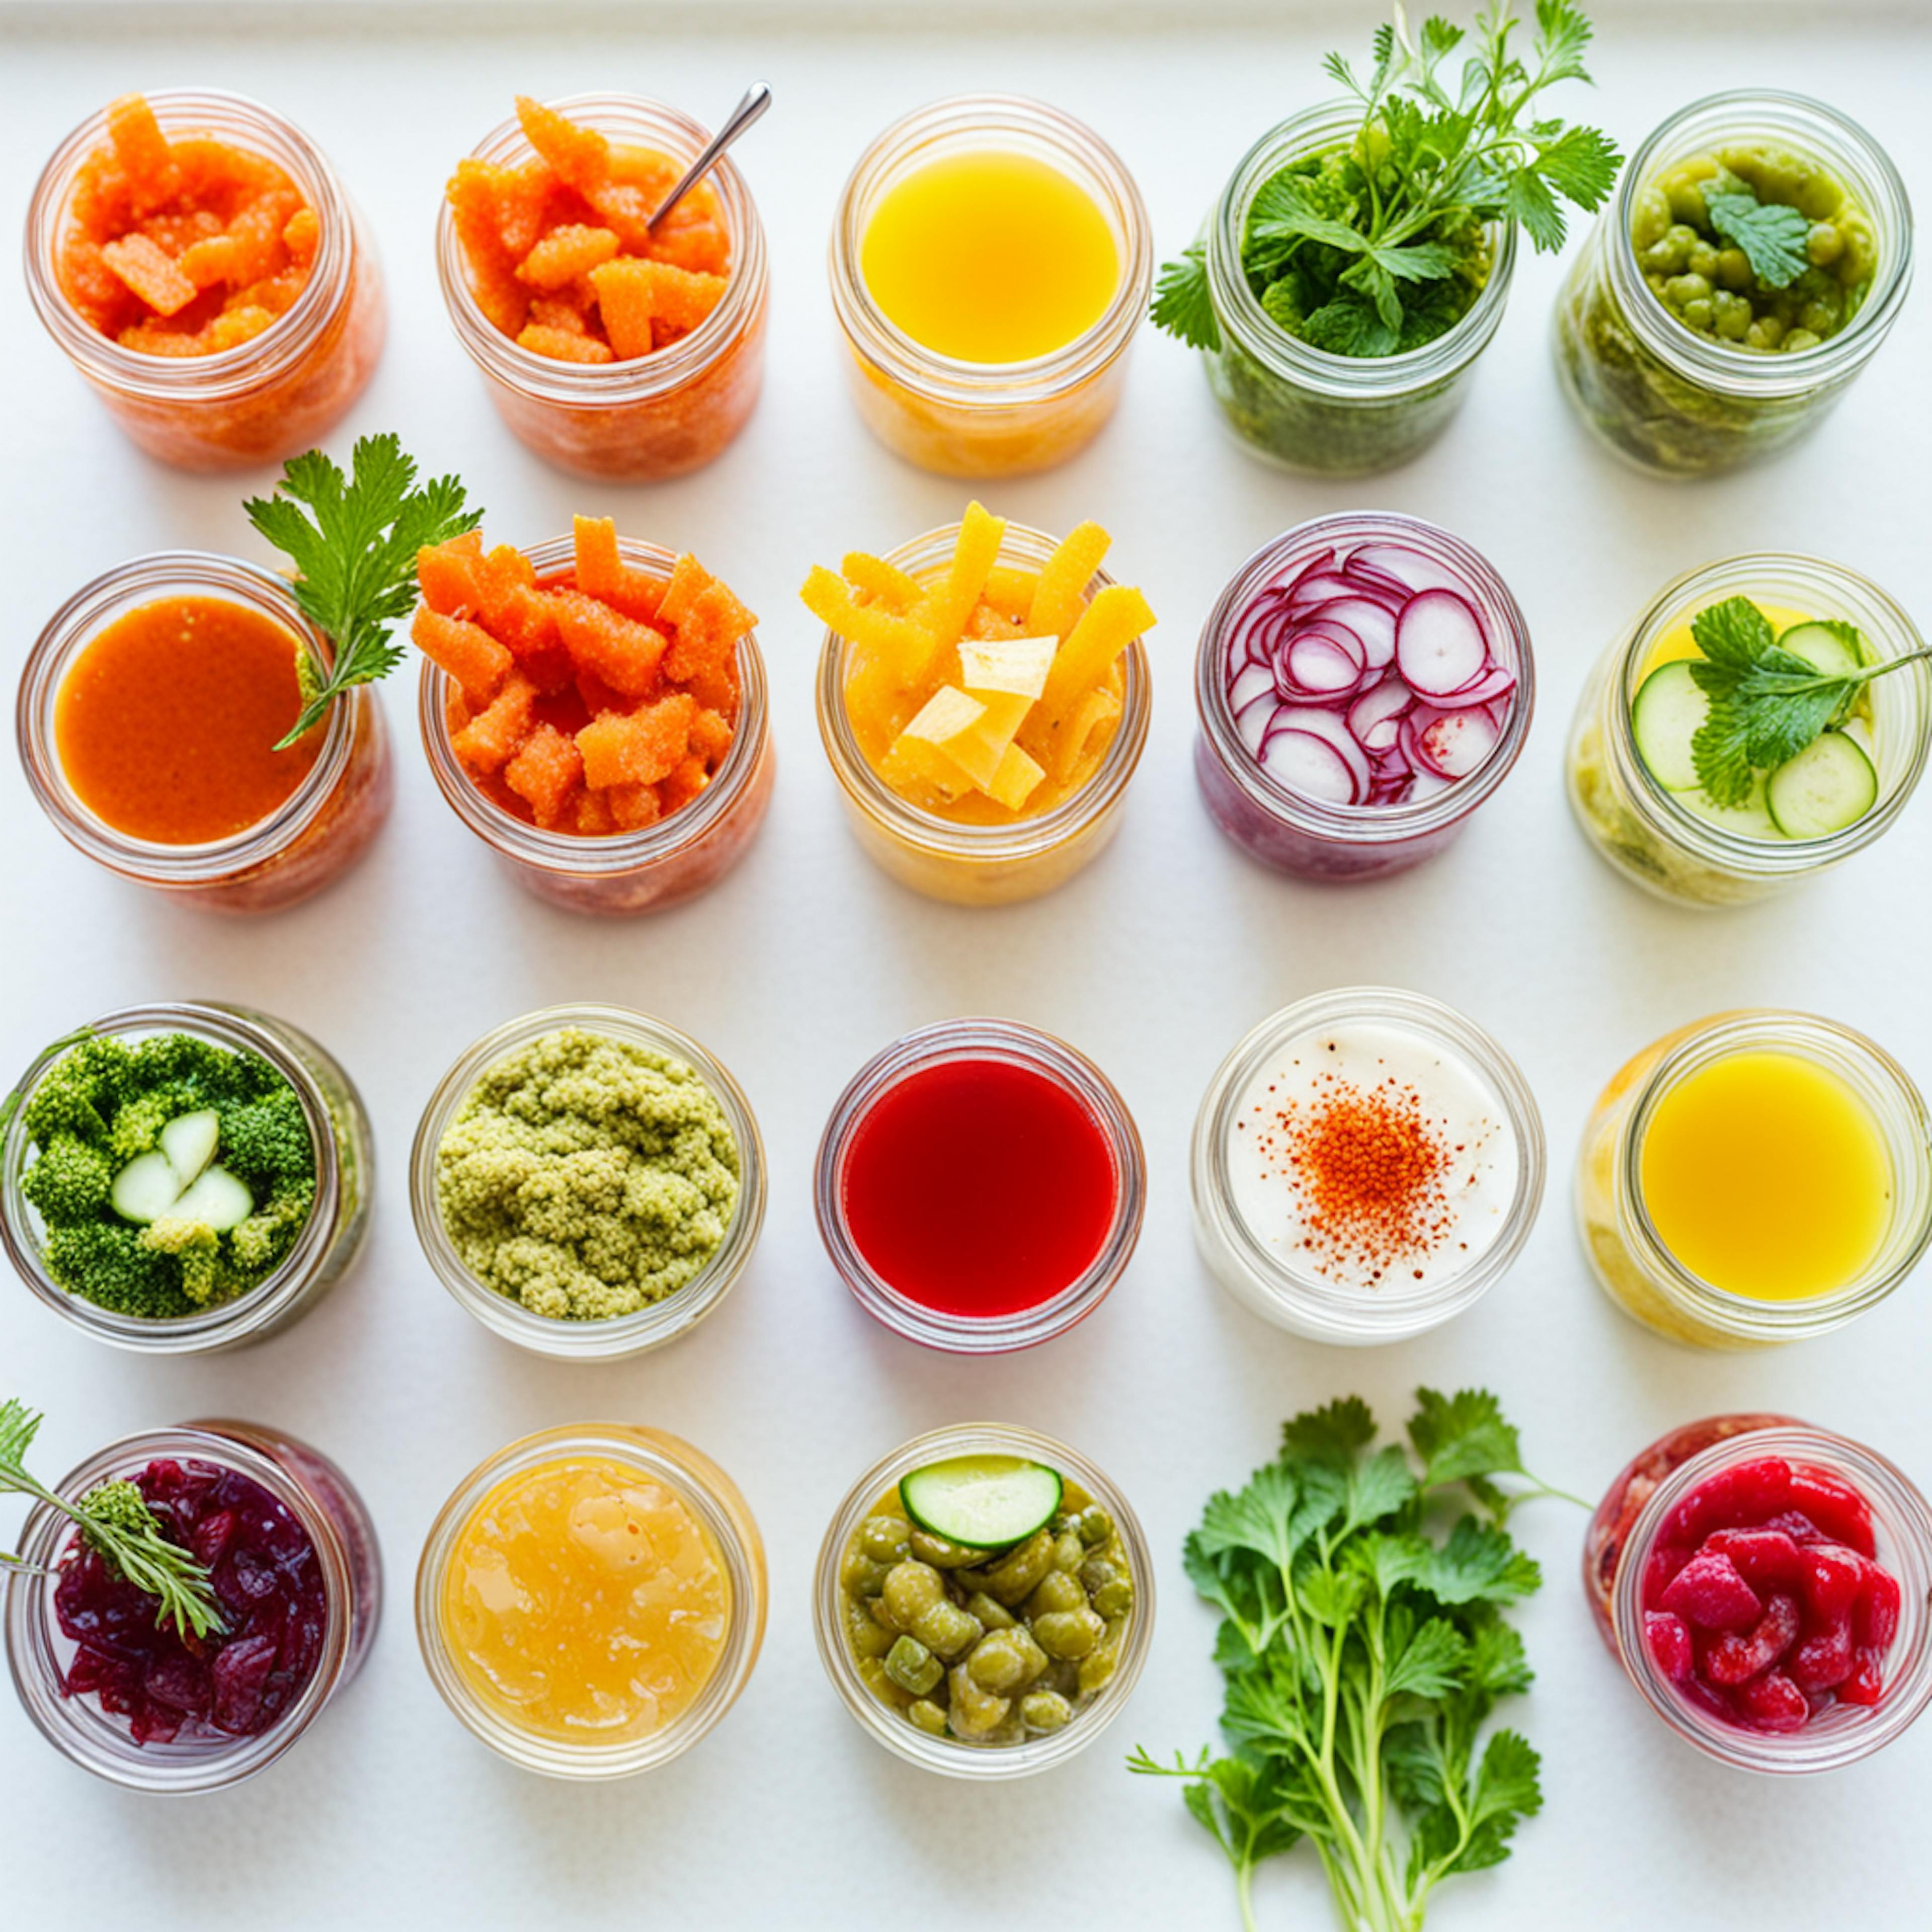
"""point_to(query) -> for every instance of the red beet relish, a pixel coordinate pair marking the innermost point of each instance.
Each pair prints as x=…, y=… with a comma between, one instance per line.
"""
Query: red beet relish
x=978, y=1188
x=265, y=1576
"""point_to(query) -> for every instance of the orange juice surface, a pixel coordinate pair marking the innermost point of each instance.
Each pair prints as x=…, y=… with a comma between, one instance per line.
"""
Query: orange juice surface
x=584, y=1601
x=1764, y=1173
x=990, y=257
x=1678, y=643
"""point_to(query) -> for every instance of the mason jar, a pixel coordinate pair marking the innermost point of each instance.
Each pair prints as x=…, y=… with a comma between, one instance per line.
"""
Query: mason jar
x=1659, y=843
x=655, y=416
x=1303, y=408
x=1665, y=397
x=278, y=393
x=1627, y=1255
x=330, y=1240
x=39, y=1654
x=965, y=418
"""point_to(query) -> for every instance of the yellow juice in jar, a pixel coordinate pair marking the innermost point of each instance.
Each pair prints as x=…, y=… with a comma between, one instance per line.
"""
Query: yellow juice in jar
x=992, y=257
x=1677, y=642
x=585, y=1601
x=1765, y=1174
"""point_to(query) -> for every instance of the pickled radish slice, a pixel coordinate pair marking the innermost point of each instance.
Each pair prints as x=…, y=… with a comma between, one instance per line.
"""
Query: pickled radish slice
x=1309, y=765
x=1439, y=645
x=1321, y=663
x=1458, y=741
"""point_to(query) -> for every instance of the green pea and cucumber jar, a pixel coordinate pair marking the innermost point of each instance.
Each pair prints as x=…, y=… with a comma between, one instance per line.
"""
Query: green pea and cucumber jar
x=1633, y=764
x=1756, y=254
x=984, y=1602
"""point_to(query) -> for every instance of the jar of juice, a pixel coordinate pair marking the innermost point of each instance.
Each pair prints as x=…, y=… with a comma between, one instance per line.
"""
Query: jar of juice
x=651, y=417
x=319, y=1610
x=1303, y=408
x=1804, y=1516
x=980, y=1186
x=1754, y=1178
x=277, y=393
x=679, y=856
x=990, y=261
x=1683, y=400
x=332, y=1234
x=591, y=1600
x=1112, y=1668
x=965, y=863
x=1394, y=767
x=185, y=793
x=1676, y=842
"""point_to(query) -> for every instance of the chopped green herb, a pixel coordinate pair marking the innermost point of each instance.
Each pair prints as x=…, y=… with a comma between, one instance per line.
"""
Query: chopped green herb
x=1771, y=235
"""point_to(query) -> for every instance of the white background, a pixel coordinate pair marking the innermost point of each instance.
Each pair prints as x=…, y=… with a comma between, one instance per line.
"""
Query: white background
x=806, y=960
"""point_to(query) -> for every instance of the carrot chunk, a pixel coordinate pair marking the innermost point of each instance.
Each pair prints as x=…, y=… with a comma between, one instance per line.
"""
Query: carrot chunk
x=684, y=783
x=580, y=155
x=302, y=236
x=602, y=573
x=566, y=253
x=688, y=577
x=494, y=736
x=545, y=772
x=562, y=345
x=465, y=650
x=711, y=736
x=146, y=159
x=633, y=807
x=640, y=749
x=591, y=815
x=447, y=575
x=624, y=654
x=634, y=295
x=147, y=269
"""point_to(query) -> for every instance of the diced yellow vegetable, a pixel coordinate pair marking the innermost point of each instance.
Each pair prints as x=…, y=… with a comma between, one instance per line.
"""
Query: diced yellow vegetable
x=1014, y=664
x=988, y=626
x=1062, y=589
x=979, y=747
x=905, y=644
x=893, y=587
x=923, y=773
x=944, y=716
x=1117, y=615
x=1014, y=782
x=949, y=602
x=1010, y=589
x=1061, y=748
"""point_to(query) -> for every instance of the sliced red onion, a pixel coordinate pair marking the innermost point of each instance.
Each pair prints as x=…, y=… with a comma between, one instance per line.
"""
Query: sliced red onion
x=1439, y=643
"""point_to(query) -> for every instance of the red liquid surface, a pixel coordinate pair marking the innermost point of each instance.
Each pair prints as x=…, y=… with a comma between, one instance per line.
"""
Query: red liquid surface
x=978, y=1188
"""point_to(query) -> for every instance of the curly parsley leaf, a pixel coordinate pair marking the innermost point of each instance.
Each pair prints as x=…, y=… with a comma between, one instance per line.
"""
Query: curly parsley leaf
x=1771, y=235
x=1182, y=304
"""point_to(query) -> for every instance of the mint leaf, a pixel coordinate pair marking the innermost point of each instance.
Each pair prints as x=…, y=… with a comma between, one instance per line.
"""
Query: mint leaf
x=1182, y=304
x=1735, y=633
x=1771, y=235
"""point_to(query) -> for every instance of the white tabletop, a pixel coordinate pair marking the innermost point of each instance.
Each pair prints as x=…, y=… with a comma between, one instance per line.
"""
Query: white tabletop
x=806, y=960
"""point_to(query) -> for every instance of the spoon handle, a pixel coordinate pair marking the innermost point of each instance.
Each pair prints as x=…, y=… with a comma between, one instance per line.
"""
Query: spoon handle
x=757, y=98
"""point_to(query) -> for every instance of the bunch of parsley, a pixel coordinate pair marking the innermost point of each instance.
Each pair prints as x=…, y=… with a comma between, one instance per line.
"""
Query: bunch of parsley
x=1379, y=247
x=1364, y=1644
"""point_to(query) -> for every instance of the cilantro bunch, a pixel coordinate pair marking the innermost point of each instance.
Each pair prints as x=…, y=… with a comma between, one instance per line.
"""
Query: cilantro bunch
x=1381, y=246
x=1364, y=1644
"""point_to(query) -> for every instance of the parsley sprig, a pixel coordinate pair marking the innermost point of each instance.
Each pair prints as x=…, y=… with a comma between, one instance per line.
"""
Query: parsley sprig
x=1766, y=704
x=354, y=553
x=116, y=1522
x=1364, y=1647
x=1435, y=159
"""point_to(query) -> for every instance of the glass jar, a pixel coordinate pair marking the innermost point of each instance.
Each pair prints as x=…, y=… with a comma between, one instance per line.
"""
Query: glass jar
x=1303, y=408
x=329, y=1241
x=682, y=854
x=987, y=419
x=982, y=865
x=1008, y=1042
x=322, y=1501
x=1628, y=1257
x=1660, y=843
x=657, y=416
x=710, y=1494
x=1301, y=1300
x=270, y=396
x=951, y=1756
x=1626, y=1531
x=1306, y=836
x=317, y=833
x=1671, y=400
x=650, y=1327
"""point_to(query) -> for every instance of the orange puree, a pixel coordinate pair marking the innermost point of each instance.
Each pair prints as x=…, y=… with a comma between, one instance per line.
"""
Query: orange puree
x=182, y=247
x=584, y=1600
x=165, y=723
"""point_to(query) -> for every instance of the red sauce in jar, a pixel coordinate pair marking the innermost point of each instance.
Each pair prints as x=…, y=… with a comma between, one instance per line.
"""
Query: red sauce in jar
x=978, y=1188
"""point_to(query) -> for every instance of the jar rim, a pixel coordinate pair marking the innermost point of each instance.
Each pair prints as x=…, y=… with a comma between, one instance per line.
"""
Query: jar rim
x=657, y=1323
x=950, y=1756
x=953, y=380
x=1053, y=1060
x=708, y=1492
x=240, y=1029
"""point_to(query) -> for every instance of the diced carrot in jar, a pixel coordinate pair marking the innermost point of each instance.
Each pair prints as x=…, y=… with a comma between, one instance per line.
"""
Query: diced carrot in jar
x=626, y=655
x=562, y=345
x=580, y=155
x=545, y=772
x=635, y=296
x=466, y=650
x=492, y=737
x=592, y=817
x=151, y=273
x=688, y=577
x=602, y=573
x=711, y=736
x=633, y=807
x=683, y=784
x=142, y=150
x=566, y=253
x=235, y=326
x=448, y=574
x=302, y=236
x=709, y=633
x=640, y=749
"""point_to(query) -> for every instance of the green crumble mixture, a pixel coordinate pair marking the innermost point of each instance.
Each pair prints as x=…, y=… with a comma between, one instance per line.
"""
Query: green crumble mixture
x=586, y=1177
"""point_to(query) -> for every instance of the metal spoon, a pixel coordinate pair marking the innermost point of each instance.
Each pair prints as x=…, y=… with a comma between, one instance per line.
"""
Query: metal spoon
x=757, y=98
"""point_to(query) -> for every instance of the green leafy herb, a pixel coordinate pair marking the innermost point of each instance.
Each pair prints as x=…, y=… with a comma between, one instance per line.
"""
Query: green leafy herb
x=116, y=1522
x=355, y=554
x=1364, y=1644
x=1766, y=702
x=1380, y=246
x=1771, y=235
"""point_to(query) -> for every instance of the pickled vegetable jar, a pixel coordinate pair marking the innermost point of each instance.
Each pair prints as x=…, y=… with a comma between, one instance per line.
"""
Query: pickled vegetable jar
x=1688, y=354
x=1754, y=1178
x=1764, y=1585
x=1669, y=838
x=295, y=1561
x=963, y=359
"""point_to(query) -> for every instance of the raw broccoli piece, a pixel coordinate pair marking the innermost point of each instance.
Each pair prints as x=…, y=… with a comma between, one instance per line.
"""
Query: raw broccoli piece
x=261, y=1241
x=206, y=1276
x=267, y=1141
x=137, y=1125
x=105, y=1263
x=70, y=1181
x=203, y=1072
x=79, y=1094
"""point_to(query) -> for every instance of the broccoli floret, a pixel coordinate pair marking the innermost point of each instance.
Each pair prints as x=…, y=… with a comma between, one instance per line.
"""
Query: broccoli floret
x=79, y=1094
x=261, y=1242
x=70, y=1181
x=267, y=1141
x=202, y=1070
x=105, y=1262
x=206, y=1276
x=137, y=1125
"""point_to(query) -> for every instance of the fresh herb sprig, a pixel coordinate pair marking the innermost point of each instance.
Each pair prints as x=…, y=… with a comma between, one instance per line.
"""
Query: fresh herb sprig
x=1364, y=1647
x=1772, y=235
x=1766, y=702
x=1433, y=161
x=355, y=554
x=116, y=1522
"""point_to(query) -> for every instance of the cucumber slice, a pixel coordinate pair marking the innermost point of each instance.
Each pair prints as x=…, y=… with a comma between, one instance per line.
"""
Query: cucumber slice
x=146, y=1189
x=189, y=1141
x=1829, y=785
x=1751, y=820
x=1666, y=714
x=217, y=1200
x=987, y=1502
x=1822, y=648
